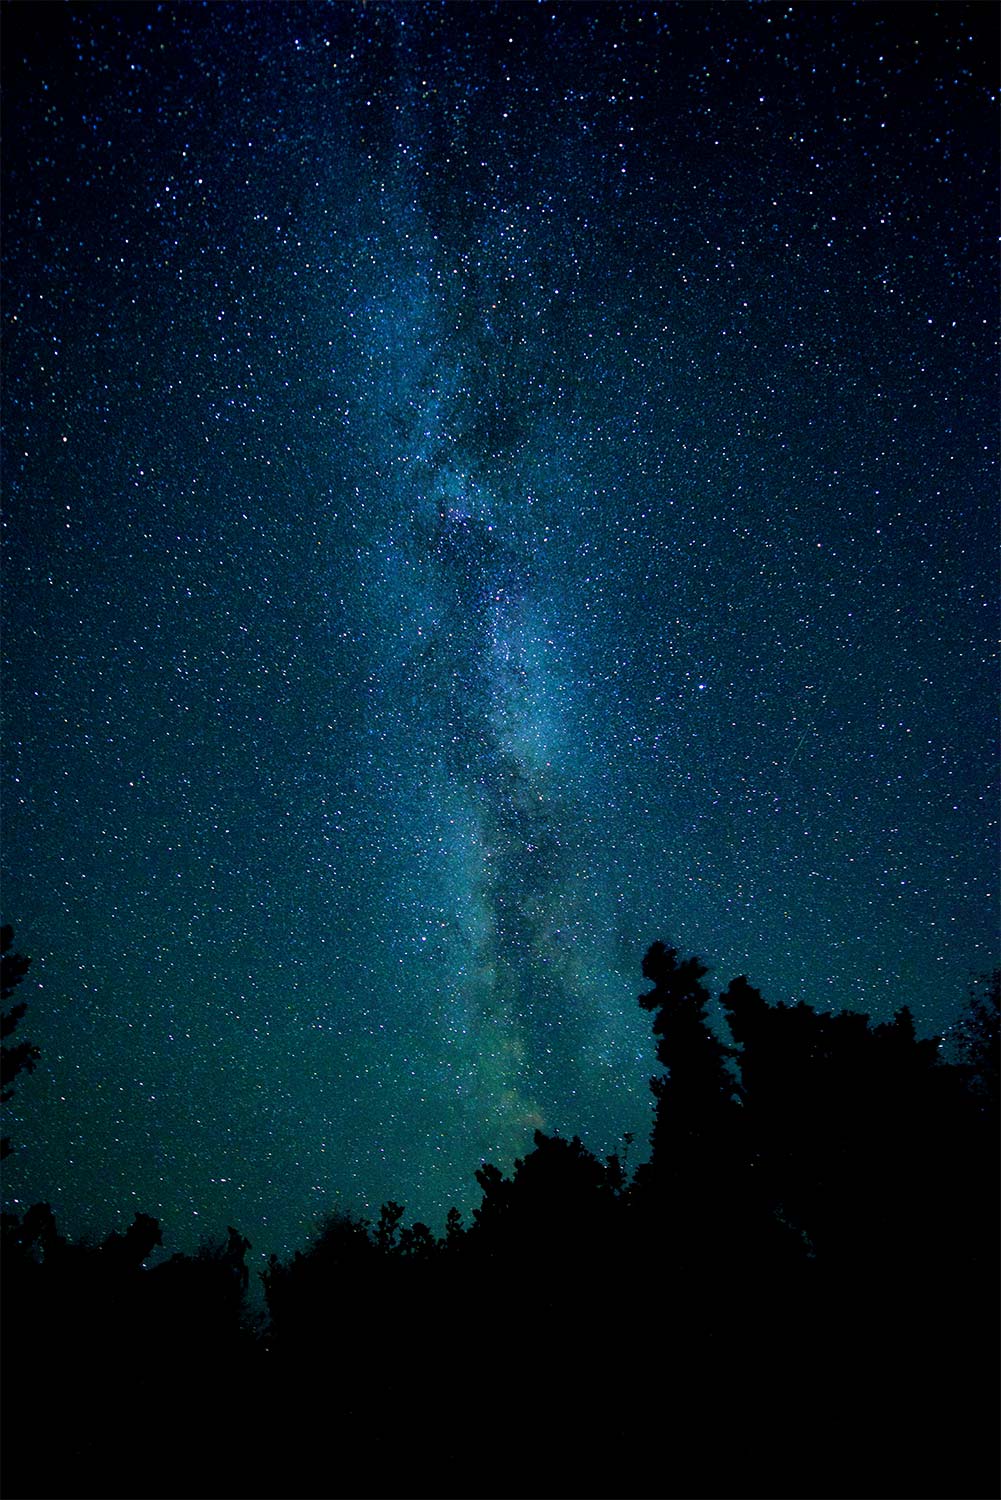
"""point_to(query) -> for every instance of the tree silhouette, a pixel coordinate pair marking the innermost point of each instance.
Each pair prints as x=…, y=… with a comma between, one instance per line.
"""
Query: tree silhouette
x=817, y=1220
x=388, y=1228
x=976, y=1041
x=20, y=1056
x=554, y=1198
x=846, y=1125
x=453, y=1228
x=695, y=1098
x=695, y=1179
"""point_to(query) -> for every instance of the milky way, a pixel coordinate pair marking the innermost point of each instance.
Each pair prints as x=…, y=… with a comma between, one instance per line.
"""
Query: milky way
x=486, y=489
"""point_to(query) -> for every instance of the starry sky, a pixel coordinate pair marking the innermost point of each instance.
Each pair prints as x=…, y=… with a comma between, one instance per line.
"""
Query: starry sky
x=486, y=487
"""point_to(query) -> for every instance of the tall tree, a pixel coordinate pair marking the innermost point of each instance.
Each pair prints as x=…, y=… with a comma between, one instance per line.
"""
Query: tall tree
x=848, y=1124
x=696, y=1097
x=16, y=1057
x=976, y=1042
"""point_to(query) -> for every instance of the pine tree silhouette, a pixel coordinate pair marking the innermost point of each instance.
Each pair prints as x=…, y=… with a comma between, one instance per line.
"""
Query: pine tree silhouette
x=20, y=1056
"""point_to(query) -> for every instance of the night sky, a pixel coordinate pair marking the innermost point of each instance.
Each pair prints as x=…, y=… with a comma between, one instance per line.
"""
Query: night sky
x=486, y=488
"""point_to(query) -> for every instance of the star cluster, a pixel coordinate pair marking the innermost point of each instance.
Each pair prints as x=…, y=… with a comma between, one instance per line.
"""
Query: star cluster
x=486, y=487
